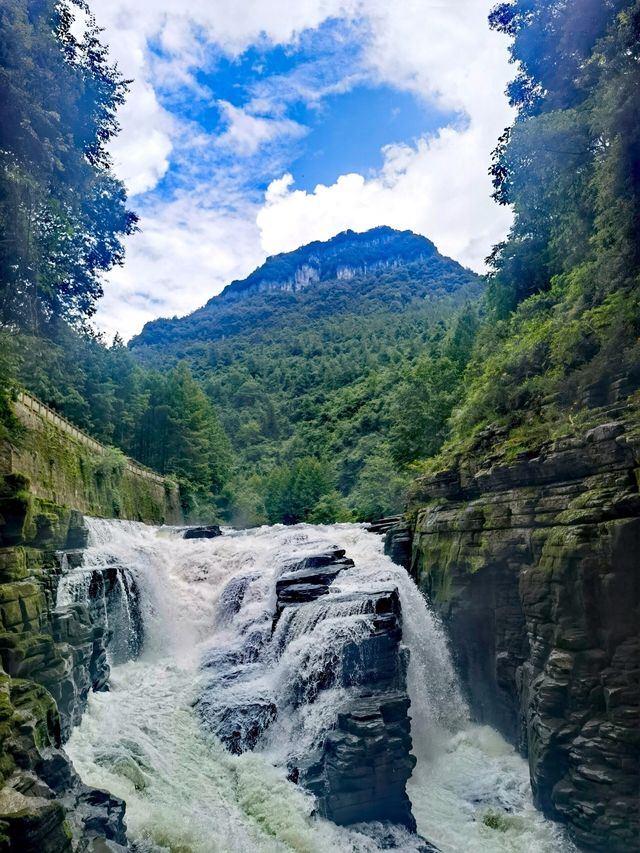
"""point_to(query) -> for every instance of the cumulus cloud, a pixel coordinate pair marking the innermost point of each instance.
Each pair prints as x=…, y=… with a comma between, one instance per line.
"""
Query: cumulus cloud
x=190, y=248
x=143, y=149
x=246, y=132
x=422, y=189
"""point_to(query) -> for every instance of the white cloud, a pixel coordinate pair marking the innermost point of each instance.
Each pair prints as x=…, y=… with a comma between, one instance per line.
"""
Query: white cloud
x=189, y=249
x=439, y=187
x=233, y=26
x=246, y=133
x=141, y=153
x=425, y=189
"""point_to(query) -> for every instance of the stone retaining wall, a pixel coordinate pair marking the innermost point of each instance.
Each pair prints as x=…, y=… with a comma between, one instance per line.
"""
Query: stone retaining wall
x=65, y=466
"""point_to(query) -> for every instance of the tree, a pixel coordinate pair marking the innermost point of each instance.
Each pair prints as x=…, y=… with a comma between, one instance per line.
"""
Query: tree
x=423, y=404
x=563, y=295
x=331, y=509
x=62, y=213
x=379, y=490
x=569, y=165
x=292, y=492
x=196, y=450
x=462, y=336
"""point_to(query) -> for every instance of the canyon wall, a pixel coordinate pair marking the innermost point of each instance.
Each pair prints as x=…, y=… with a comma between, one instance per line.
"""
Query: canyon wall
x=533, y=563
x=51, y=658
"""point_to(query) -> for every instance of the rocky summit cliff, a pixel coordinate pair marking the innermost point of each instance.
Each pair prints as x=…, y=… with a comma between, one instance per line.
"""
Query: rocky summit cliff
x=345, y=256
x=343, y=275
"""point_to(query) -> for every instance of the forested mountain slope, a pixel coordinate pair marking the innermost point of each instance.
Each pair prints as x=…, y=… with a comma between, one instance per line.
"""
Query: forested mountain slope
x=349, y=274
x=311, y=363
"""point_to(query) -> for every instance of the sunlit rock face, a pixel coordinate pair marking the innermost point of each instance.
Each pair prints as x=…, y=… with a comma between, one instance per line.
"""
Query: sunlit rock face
x=345, y=256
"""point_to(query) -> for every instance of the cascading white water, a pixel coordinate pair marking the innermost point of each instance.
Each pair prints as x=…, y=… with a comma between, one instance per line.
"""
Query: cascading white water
x=202, y=603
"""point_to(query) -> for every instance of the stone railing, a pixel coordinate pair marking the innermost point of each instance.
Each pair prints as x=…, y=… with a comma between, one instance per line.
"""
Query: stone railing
x=32, y=404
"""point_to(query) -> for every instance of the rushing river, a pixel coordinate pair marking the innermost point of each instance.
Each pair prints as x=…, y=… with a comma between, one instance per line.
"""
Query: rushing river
x=145, y=741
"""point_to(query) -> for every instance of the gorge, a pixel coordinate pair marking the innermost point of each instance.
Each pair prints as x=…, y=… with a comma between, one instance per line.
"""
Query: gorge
x=347, y=559
x=284, y=688
x=289, y=687
x=208, y=721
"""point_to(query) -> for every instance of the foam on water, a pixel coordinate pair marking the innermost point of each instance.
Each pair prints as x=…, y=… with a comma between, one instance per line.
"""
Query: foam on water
x=185, y=792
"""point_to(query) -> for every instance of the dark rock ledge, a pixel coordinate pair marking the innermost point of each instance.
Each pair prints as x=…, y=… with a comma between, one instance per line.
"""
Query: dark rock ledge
x=210, y=531
x=360, y=771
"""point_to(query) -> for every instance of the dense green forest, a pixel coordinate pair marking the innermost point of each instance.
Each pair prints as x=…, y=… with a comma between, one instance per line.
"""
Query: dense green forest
x=63, y=217
x=330, y=377
x=562, y=332
x=319, y=386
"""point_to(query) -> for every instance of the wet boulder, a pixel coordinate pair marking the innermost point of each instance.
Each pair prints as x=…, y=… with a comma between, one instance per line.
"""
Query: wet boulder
x=366, y=761
x=359, y=773
x=210, y=531
x=310, y=578
x=240, y=727
x=359, y=761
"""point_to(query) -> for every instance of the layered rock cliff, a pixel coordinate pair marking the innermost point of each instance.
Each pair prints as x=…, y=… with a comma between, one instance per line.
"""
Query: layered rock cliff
x=534, y=565
x=50, y=660
x=52, y=656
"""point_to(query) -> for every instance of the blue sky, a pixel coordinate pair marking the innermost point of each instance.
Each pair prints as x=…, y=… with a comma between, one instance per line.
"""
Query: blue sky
x=348, y=133
x=255, y=129
x=339, y=121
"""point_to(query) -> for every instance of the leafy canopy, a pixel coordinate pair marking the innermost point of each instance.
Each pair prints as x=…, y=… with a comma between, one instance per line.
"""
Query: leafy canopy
x=564, y=292
x=62, y=212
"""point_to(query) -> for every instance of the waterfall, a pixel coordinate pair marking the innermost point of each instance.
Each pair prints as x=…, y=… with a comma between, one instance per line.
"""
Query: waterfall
x=218, y=660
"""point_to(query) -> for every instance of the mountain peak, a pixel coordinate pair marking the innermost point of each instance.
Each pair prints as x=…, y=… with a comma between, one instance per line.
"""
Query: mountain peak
x=344, y=256
x=352, y=273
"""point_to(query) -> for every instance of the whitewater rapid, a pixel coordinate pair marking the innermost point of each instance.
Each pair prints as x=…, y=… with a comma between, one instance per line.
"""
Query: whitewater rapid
x=144, y=740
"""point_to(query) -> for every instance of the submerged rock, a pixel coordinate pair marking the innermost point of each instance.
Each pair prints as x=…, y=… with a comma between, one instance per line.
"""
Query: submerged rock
x=240, y=727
